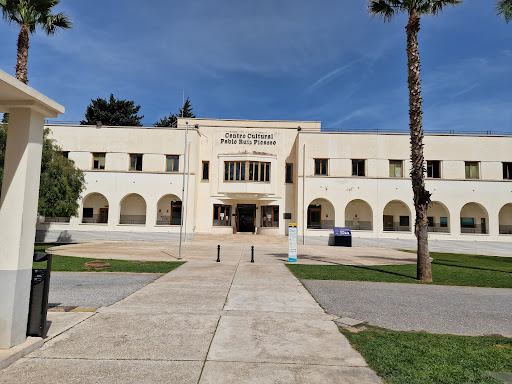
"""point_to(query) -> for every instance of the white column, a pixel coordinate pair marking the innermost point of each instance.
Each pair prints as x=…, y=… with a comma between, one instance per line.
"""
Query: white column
x=151, y=213
x=493, y=225
x=455, y=221
x=18, y=214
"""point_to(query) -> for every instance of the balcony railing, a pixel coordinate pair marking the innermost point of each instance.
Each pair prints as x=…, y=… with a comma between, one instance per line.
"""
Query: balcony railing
x=505, y=229
x=168, y=221
x=439, y=229
x=476, y=229
x=360, y=226
x=48, y=220
x=397, y=228
x=132, y=219
x=95, y=219
x=325, y=224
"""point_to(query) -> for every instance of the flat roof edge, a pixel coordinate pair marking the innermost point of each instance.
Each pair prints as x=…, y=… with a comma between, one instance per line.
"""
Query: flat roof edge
x=32, y=98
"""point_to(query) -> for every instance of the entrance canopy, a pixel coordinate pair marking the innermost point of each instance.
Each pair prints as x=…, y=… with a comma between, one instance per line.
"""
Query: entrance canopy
x=15, y=94
x=27, y=110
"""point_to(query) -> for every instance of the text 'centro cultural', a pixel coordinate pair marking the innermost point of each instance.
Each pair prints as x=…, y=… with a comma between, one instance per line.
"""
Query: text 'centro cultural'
x=248, y=139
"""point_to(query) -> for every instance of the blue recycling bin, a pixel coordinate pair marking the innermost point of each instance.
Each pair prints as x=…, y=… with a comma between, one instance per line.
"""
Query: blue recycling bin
x=342, y=237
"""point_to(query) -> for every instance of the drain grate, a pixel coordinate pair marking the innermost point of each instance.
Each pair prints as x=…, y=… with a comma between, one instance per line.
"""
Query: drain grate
x=61, y=308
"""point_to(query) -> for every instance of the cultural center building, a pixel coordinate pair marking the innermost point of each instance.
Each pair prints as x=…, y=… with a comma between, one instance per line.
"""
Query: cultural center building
x=242, y=176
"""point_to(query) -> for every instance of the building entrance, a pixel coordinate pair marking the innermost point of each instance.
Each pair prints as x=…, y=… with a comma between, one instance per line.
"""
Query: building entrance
x=245, y=217
x=103, y=215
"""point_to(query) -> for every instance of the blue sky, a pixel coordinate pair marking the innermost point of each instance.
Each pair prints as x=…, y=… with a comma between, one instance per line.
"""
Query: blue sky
x=275, y=59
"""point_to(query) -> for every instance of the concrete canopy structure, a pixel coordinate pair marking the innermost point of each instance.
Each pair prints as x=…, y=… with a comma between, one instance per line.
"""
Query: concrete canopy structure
x=27, y=110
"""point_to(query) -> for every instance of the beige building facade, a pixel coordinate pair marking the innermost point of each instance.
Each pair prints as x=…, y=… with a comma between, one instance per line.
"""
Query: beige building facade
x=259, y=176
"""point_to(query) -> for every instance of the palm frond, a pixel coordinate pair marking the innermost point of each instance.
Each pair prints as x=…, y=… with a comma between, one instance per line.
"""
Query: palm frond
x=385, y=8
x=33, y=13
x=10, y=11
x=504, y=8
x=53, y=22
x=433, y=7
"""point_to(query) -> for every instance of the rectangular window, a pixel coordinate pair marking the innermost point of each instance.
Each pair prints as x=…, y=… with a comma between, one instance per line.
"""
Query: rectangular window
x=358, y=167
x=135, y=162
x=98, y=161
x=222, y=215
x=396, y=168
x=289, y=173
x=270, y=216
x=246, y=171
x=472, y=171
x=65, y=154
x=404, y=221
x=320, y=166
x=434, y=169
x=173, y=163
x=507, y=171
x=467, y=222
x=206, y=170
x=430, y=221
x=443, y=222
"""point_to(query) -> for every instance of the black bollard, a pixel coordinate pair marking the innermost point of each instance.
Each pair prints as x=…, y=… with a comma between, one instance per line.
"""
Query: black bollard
x=218, y=253
x=252, y=253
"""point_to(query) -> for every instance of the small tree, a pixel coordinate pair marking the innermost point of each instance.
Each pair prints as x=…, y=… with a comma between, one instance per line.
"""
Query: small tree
x=115, y=112
x=172, y=119
x=28, y=14
x=504, y=8
x=61, y=182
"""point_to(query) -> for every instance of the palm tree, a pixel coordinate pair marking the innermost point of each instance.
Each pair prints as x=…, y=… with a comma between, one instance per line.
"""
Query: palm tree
x=29, y=14
x=504, y=8
x=387, y=9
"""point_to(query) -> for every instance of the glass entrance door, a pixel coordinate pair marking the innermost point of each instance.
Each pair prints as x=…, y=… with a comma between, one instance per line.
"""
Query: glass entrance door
x=245, y=215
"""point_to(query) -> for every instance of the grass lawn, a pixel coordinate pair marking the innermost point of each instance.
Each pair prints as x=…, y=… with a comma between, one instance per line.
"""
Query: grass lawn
x=75, y=264
x=414, y=358
x=447, y=269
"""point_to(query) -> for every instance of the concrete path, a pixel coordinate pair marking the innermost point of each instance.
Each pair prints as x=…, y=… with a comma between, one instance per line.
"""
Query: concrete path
x=411, y=307
x=206, y=322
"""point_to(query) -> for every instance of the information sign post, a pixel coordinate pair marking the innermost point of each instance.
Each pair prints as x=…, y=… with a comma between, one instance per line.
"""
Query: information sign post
x=292, y=243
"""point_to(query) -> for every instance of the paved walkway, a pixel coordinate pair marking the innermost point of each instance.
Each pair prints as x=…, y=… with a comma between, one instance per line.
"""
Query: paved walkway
x=472, y=247
x=168, y=251
x=471, y=311
x=206, y=322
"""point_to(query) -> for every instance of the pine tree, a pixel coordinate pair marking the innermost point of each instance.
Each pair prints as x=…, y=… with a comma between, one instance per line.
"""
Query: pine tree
x=114, y=112
x=172, y=119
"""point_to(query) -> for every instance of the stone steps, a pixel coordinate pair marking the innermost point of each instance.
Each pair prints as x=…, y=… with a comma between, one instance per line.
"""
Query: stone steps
x=241, y=237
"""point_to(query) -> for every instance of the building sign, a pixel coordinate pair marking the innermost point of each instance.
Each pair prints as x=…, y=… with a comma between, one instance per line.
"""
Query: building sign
x=292, y=243
x=249, y=138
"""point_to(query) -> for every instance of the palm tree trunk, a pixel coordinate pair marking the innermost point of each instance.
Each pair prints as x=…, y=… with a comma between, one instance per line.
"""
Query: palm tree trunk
x=21, y=63
x=421, y=195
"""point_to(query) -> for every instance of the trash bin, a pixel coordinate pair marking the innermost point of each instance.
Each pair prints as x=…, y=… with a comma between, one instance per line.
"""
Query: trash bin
x=342, y=237
x=39, y=289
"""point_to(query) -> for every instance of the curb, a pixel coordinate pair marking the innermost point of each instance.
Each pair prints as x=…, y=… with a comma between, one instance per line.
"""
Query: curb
x=9, y=356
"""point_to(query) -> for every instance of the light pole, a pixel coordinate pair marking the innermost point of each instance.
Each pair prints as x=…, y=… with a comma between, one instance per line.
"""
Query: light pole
x=183, y=188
